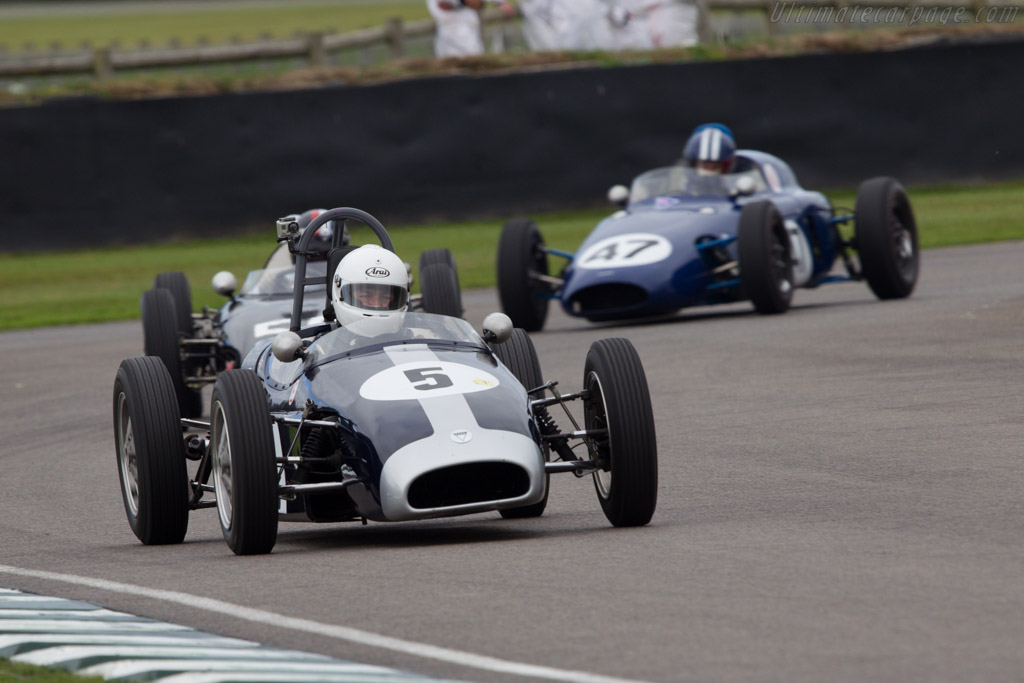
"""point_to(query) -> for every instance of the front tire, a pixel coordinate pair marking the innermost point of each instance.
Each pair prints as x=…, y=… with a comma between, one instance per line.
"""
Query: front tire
x=766, y=266
x=519, y=355
x=619, y=402
x=244, y=465
x=886, y=234
x=521, y=258
x=150, y=452
x=161, y=339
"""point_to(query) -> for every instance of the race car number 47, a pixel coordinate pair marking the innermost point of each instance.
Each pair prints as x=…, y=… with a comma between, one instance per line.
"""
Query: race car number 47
x=425, y=379
x=634, y=249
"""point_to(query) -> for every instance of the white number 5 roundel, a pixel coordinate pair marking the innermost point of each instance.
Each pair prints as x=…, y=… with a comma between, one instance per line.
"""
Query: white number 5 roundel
x=425, y=379
x=634, y=249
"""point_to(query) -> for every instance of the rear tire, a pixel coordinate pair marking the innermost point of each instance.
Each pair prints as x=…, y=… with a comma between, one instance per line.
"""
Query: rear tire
x=619, y=401
x=438, y=256
x=244, y=465
x=519, y=356
x=766, y=266
x=150, y=452
x=439, y=283
x=178, y=285
x=886, y=234
x=161, y=339
x=521, y=257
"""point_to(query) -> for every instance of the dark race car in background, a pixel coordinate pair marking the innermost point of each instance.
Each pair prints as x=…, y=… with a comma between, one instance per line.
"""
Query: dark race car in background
x=426, y=418
x=196, y=347
x=685, y=239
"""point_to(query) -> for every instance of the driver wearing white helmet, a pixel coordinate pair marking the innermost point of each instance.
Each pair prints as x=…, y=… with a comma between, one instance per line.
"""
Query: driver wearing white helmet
x=370, y=291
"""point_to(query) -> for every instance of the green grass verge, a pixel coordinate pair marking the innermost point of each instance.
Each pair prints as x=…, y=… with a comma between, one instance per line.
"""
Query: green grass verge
x=95, y=285
x=13, y=671
x=218, y=24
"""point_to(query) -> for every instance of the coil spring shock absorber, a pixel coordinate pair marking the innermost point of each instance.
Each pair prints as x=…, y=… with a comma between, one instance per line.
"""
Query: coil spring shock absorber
x=318, y=447
x=547, y=427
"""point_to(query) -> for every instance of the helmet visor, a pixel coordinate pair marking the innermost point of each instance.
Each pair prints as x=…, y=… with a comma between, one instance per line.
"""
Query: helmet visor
x=713, y=167
x=374, y=296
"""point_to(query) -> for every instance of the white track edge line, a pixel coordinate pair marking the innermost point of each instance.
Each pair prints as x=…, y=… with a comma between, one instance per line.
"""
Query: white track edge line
x=353, y=635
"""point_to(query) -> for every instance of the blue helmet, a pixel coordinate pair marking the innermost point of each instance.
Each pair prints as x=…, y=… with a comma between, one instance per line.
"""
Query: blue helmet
x=710, y=149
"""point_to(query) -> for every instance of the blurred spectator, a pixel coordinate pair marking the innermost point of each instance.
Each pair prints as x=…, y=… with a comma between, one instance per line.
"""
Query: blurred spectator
x=651, y=24
x=458, y=26
x=550, y=25
x=608, y=24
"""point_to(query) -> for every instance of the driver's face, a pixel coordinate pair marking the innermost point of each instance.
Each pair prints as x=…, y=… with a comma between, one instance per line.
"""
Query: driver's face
x=711, y=167
x=374, y=297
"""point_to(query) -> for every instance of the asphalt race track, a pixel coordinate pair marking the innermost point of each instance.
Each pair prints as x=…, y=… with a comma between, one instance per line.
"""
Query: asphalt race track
x=840, y=499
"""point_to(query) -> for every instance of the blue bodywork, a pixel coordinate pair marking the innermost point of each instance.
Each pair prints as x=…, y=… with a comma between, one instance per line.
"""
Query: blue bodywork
x=673, y=249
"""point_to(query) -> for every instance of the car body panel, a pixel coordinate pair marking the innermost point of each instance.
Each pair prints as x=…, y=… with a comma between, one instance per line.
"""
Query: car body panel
x=409, y=405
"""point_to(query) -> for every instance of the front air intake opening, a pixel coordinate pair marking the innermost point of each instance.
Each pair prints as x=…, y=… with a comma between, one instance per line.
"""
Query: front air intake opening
x=607, y=297
x=475, y=482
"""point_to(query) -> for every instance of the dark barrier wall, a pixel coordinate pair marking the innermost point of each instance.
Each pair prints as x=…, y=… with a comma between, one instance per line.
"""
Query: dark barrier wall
x=86, y=172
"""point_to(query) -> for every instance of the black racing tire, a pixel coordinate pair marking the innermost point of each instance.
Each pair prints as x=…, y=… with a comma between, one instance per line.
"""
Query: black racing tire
x=619, y=400
x=439, y=284
x=438, y=256
x=886, y=236
x=521, y=257
x=161, y=339
x=244, y=465
x=150, y=452
x=181, y=292
x=519, y=356
x=766, y=264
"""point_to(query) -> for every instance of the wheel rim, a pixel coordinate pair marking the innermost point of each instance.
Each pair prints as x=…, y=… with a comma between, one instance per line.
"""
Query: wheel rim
x=595, y=416
x=539, y=263
x=780, y=266
x=126, y=455
x=903, y=248
x=223, y=472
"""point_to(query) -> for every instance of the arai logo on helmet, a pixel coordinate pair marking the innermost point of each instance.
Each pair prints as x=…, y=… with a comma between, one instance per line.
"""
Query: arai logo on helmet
x=377, y=271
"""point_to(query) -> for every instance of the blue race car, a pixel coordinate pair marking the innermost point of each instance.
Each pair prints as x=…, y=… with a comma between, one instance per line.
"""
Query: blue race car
x=686, y=237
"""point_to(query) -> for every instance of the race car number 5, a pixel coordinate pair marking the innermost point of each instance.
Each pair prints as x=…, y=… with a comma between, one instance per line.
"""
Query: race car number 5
x=426, y=379
x=634, y=249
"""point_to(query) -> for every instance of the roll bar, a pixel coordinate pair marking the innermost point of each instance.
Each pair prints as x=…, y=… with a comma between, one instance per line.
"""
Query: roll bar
x=298, y=244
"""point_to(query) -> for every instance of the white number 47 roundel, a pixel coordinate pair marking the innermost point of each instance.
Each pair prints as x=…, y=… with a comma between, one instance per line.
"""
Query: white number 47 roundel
x=634, y=249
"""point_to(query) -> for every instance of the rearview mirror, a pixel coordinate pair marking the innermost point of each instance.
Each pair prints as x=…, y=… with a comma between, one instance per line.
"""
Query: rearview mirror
x=497, y=328
x=287, y=347
x=618, y=195
x=224, y=283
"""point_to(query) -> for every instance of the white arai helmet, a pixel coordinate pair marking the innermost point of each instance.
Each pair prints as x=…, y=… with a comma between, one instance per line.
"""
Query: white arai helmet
x=370, y=291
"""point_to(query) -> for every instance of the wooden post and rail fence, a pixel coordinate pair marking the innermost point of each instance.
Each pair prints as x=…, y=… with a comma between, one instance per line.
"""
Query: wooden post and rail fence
x=315, y=48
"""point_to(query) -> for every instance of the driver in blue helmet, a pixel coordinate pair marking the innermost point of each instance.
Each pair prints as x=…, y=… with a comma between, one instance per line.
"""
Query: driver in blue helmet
x=711, y=150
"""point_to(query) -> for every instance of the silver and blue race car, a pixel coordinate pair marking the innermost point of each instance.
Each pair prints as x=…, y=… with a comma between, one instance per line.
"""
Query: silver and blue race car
x=427, y=419
x=197, y=347
x=685, y=239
